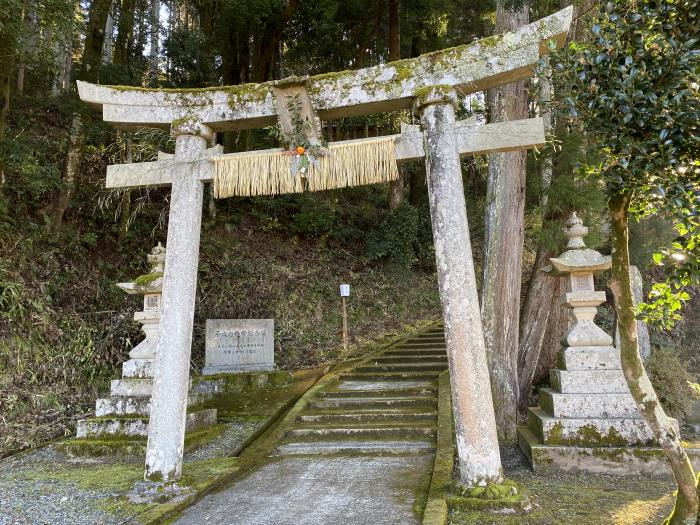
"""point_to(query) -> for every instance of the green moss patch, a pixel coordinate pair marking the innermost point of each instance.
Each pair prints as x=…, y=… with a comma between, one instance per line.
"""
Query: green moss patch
x=507, y=496
x=583, y=499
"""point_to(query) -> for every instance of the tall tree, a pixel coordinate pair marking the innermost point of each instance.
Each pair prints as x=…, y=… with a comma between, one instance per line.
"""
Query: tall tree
x=505, y=209
x=125, y=32
x=10, y=32
x=89, y=71
x=270, y=39
x=155, y=43
x=543, y=319
x=634, y=89
x=396, y=188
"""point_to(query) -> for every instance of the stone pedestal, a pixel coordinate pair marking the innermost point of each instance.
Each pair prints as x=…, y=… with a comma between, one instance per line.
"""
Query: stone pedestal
x=587, y=420
x=125, y=413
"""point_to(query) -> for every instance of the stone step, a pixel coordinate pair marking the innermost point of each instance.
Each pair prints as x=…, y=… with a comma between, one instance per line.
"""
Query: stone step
x=341, y=433
x=577, y=406
x=134, y=406
x=588, y=381
x=588, y=432
x=432, y=338
x=364, y=418
x=131, y=387
x=429, y=366
x=375, y=402
x=589, y=358
x=429, y=391
x=138, y=368
x=403, y=358
x=395, y=447
x=138, y=426
x=354, y=386
x=123, y=406
x=421, y=344
x=419, y=352
x=388, y=376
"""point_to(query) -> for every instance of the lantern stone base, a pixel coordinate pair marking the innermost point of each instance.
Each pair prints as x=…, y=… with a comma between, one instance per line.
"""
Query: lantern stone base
x=588, y=420
x=618, y=460
x=125, y=412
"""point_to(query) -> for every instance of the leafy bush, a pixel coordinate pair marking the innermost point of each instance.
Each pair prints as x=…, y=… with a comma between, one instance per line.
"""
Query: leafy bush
x=671, y=382
x=396, y=237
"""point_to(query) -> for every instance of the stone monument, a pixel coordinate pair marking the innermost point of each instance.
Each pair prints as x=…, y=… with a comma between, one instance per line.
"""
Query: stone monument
x=587, y=419
x=239, y=345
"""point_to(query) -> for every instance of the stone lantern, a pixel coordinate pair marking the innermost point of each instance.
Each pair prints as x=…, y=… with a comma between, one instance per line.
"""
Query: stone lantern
x=587, y=419
x=126, y=411
x=150, y=286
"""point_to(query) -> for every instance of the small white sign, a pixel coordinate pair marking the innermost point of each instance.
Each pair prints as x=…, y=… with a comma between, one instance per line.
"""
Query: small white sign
x=344, y=290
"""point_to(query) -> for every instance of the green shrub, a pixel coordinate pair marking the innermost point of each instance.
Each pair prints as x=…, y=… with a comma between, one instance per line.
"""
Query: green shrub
x=396, y=237
x=671, y=382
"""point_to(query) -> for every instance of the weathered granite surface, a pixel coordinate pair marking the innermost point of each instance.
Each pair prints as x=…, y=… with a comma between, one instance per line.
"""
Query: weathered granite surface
x=475, y=423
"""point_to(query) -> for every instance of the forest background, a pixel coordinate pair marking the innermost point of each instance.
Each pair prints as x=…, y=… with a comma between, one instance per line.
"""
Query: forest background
x=65, y=240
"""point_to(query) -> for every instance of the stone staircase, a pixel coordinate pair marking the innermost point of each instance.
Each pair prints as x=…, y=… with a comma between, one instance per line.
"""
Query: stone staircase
x=386, y=405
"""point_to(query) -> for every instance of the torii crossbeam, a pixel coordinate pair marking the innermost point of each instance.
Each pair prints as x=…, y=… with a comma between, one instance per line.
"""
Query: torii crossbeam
x=430, y=84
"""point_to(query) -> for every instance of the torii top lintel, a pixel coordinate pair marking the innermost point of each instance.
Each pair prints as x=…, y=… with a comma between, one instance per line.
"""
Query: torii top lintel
x=469, y=68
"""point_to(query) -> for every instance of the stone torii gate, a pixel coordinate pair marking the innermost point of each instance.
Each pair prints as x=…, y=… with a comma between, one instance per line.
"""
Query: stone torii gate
x=431, y=85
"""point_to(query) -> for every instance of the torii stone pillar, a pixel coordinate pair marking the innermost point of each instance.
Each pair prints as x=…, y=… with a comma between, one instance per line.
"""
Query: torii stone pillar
x=475, y=423
x=166, y=430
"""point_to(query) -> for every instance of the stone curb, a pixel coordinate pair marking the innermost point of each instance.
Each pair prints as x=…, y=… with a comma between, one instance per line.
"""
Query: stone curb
x=435, y=512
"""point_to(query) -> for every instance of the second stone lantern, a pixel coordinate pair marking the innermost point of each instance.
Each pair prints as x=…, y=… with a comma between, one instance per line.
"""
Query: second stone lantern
x=587, y=419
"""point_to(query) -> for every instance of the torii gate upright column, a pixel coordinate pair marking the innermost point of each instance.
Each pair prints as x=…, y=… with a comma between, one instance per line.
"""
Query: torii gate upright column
x=166, y=429
x=475, y=423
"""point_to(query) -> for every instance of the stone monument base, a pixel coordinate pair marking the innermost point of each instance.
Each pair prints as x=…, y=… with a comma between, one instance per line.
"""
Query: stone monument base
x=239, y=369
x=120, y=425
x=618, y=460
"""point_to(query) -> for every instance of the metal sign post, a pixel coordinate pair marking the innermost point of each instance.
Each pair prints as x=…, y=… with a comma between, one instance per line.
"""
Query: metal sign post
x=344, y=294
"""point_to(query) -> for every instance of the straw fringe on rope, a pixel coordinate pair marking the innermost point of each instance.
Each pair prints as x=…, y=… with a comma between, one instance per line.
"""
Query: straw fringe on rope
x=367, y=161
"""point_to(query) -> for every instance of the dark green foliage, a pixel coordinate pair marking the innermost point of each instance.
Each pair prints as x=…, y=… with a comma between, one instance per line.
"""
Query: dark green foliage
x=191, y=62
x=634, y=92
x=396, y=237
x=671, y=382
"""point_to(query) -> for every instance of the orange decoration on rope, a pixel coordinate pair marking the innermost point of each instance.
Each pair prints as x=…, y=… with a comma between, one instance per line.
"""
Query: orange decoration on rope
x=300, y=150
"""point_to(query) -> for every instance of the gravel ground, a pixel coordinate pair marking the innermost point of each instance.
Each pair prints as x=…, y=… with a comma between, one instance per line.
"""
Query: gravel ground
x=33, y=490
x=25, y=500
x=229, y=441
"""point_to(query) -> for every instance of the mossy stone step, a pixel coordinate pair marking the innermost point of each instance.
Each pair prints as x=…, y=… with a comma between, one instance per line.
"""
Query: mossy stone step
x=407, y=352
x=129, y=448
x=418, y=358
x=137, y=426
x=391, y=392
x=378, y=433
x=423, y=342
x=388, y=376
x=373, y=447
x=127, y=406
x=355, y=386
x=375, y=402
x=368, y=418
x=430, y=366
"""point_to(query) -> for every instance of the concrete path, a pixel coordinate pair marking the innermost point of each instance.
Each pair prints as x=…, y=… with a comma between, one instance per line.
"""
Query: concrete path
x=360, y=452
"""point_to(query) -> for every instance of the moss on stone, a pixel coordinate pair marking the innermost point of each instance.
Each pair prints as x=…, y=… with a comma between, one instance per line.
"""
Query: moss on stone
x=507, y=496
x=143, y=281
